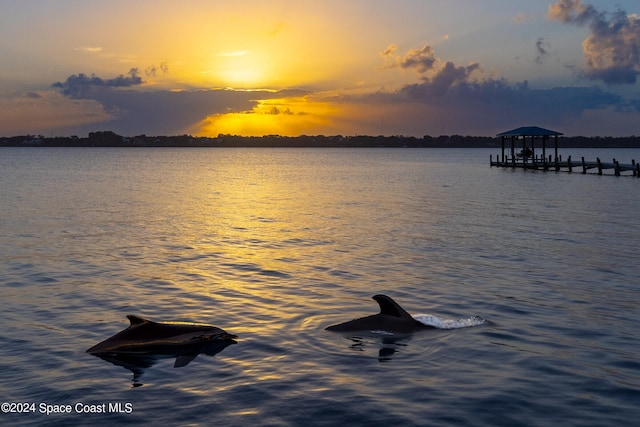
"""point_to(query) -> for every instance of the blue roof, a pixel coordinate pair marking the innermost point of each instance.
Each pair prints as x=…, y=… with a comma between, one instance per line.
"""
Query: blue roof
x=530, y=131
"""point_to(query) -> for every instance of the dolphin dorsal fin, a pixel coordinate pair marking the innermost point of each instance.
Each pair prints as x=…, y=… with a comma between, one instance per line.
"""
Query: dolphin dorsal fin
x=136, y=320
x=390, y=307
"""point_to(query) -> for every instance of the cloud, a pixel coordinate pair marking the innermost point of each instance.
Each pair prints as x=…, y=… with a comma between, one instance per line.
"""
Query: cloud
x=78, y=85
x=389, y=55
x=485, y=108
x=542, y=50
x=499, y=97
x=445, y=98
x=159, y=112
x=572, y=11
x=449, y=77
x=45, y=112
x=275, y=111
x=437, y=76
x=450, y=97
x=421, y=60
x=612, y=50
x=152, y=71
x=89, y=49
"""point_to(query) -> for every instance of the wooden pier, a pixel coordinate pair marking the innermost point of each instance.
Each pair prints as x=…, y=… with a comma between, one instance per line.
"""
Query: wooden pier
x=568, y=165
x=528, y=159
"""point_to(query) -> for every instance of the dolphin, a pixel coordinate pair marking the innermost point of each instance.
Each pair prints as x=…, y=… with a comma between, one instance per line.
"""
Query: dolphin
x=144, y=339
x=392, y=319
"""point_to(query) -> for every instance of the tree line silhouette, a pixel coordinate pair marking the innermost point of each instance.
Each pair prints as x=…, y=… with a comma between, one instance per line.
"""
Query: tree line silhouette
x=111, y=139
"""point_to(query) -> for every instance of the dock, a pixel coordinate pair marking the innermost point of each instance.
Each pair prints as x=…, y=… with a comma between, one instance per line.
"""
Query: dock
x=568, y=165
x=527, y=158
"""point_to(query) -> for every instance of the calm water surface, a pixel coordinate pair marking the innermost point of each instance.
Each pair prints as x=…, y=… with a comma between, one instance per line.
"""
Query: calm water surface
x=274, y=245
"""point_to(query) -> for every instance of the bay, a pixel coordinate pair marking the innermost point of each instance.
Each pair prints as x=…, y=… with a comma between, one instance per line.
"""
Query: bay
x=274, y=245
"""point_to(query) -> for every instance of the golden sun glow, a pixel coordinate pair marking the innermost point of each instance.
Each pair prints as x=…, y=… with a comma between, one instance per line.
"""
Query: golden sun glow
x=282, y=116
x=241, y=69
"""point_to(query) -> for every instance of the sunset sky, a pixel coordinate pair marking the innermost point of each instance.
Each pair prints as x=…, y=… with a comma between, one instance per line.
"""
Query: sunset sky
x=401, y=67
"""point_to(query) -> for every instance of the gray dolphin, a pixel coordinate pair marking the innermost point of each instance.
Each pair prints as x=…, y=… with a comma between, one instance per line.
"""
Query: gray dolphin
x=392, y=318
x=182, y=340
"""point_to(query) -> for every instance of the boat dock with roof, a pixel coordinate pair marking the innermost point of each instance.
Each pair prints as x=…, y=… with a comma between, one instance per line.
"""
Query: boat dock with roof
x=528, y=158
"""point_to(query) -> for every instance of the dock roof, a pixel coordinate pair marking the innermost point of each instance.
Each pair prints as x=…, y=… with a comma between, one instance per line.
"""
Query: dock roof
x=530, y=131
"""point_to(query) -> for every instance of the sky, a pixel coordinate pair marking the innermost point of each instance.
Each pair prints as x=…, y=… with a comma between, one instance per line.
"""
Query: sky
x=331, y=67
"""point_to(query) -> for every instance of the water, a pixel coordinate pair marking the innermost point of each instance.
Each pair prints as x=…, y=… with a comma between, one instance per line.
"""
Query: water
x=273, y=245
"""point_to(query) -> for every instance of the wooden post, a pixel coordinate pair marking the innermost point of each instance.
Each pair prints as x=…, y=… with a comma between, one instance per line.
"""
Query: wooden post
x=599, y=166
x=534, y=165
x=513, y=151
x=533, y=150
x=616, y=167
x=569, y=164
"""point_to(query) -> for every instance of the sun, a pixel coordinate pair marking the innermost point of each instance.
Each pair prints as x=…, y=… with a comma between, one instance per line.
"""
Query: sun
x=242, y=77
x=241, y=69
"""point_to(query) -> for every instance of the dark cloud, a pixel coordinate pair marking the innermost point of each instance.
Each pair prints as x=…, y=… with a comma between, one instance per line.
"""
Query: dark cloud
x=501, y=96
x=450, y=76
x=612, y=50
x=449, y=96
x=491, y=106
x=79, y=85
x=276, y=111
x=542, y=50
x=159, y=112
x=153, y=71
x=437, y=78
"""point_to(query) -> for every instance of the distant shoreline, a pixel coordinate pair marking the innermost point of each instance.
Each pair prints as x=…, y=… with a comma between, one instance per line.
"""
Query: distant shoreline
x=111, y=139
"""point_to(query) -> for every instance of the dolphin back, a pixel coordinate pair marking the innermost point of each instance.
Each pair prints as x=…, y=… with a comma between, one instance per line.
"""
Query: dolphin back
x=146, y=335
x=392, y=318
